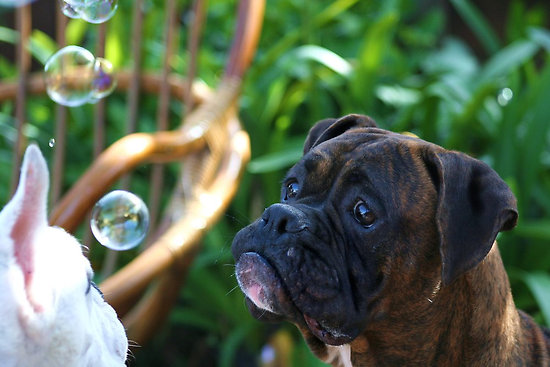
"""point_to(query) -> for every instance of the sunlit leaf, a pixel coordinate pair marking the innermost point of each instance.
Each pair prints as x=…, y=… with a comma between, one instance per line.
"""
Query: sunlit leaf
x=396, y=95
x=507, y=59
x=325, y=57
x=453, y=57
x=42, y=46
x=541, y=36
x=75, y=31
x=8, y=35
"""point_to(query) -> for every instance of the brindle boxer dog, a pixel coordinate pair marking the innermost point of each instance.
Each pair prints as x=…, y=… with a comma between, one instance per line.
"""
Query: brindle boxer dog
x=382, y=253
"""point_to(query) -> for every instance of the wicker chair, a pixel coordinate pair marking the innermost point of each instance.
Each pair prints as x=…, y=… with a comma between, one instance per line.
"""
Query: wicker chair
x=210, y=143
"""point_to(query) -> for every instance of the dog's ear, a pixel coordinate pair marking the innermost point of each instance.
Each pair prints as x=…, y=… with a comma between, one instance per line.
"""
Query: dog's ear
x=474, y=205
x=329, y=128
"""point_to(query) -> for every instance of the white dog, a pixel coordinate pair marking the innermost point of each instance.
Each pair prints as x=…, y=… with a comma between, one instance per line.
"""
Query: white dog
x=51, y=313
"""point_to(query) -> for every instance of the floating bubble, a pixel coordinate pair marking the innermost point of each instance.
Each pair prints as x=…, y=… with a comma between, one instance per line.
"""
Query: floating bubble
x=14, y=3
x=75, y=77
x=104, y=82
x=69, y=75
x=98, y=11
x=69, y=10
x=120, y=220
x=505, y=96
x=92, y=11
x=51, y=143
x=76, y=3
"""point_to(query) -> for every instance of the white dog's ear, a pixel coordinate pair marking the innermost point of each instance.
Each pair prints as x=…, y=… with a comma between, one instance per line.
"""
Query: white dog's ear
x=32, y=192
x=26, y=213
x=28, y=205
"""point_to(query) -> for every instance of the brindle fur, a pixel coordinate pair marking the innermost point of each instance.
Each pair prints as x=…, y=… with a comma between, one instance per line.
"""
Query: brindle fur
x=473, y=322
x=445, y=299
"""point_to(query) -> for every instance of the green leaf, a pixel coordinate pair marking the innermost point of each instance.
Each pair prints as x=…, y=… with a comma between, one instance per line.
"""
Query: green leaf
x=398, y=96
x=540, y=36
x=479, y=25
x=537, y=127
x=75, y=31
x=193, y=317
x=114, y=48
x=274, y=161
x=8, y=35
x=231, y=344
x=42, y=46
x=454, y=57
x=376, y=44
x=334, y=10
x=330, y=13
x=539, y=284
x=325, y=57
x=536, y=229
x=507, y=59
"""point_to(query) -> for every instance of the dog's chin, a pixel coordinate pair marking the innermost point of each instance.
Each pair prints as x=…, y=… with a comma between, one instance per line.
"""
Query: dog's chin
x=268, y=300
x=327, y=335
x=263, y=315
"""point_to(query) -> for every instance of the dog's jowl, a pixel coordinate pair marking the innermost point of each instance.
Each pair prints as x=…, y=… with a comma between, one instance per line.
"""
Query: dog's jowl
x=382, y=252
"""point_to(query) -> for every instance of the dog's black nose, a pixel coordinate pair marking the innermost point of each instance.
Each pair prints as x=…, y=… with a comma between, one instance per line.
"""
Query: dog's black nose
x=284, y=218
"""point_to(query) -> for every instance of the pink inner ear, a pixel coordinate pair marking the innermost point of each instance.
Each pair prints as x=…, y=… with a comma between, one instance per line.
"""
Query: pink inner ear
x=31, y=197
x=22, y=233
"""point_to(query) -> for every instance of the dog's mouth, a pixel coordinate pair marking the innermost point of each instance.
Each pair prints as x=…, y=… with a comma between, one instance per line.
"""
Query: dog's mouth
x=268, y=298
x=261, y=284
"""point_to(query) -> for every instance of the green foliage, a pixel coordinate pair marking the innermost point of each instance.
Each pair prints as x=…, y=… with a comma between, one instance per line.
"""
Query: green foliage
x=319, y=59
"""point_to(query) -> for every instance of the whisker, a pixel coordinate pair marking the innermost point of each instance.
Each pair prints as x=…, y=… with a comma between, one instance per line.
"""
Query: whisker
x=242, y=221
x=235, y=287
x=133, y=344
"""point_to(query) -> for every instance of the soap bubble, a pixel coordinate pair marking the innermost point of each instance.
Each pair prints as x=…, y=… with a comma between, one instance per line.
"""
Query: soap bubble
x=98, y=11
x=120, y=220
x=68, y=10
x=69, y=75
x=51, y=143
x=104, y=82
x=14, y=3
x=74, y=77
x=92, y=11
x=76, y=3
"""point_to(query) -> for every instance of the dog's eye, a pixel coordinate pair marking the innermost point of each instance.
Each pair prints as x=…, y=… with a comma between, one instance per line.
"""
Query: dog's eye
x=292, y=189
x=363, y=214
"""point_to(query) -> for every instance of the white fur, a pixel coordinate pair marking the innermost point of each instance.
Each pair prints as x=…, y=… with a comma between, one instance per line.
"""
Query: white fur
x=50, y=321
x=339, y=355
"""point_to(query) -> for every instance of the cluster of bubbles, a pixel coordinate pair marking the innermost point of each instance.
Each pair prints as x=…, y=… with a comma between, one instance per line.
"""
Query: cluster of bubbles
x=120, y=220
x=92, y=11
x=75, y=77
